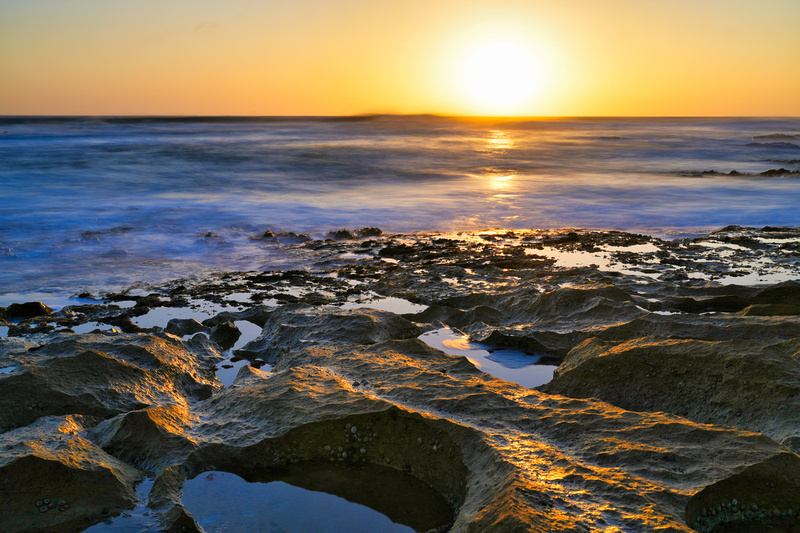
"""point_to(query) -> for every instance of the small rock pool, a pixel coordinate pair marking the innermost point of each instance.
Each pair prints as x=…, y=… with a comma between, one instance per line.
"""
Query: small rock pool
x=511, y=365
x=222, y=501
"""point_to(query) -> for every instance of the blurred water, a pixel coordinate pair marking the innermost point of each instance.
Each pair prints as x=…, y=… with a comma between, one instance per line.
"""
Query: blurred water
x=89, y=203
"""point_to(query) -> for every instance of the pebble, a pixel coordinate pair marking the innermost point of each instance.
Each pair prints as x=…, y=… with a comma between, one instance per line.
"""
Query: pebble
x=353, y=430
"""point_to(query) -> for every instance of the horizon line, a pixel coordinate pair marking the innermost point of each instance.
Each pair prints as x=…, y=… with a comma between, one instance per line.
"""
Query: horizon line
x=367, y=116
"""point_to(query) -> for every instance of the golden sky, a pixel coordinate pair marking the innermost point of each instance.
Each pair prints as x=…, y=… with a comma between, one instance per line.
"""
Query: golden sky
x=465, y=57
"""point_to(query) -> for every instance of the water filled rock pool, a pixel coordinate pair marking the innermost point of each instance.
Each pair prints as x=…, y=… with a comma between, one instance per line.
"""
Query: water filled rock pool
x=511, y=365
x=314, y=498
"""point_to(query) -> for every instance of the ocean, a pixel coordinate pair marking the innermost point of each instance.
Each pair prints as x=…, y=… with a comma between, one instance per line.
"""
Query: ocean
x=103, y=203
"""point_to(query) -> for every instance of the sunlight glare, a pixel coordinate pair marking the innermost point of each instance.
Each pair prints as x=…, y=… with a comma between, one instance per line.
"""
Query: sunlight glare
x=500, y=76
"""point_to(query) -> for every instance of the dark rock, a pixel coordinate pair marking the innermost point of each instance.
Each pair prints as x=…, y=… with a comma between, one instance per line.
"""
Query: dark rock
x=288, y=237
x=152, y=438
x=341, y=235
x=293, y=238
x=225, y=334
x=104, y=376
x=771, y=310
x=369, y=232
x=295, y=327
x=774, y=172
x=709, y=382
x=184, y=326
x=25, y=311
x=123, y=322
x=787, y=293
x=398, y=250
x=50, y=462
x=768, y=486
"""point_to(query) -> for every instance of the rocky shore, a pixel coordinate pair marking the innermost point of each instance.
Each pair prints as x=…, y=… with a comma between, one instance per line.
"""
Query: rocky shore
x=675, y=405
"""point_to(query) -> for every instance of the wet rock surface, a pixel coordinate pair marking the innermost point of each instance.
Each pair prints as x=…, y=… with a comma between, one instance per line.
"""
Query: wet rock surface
x=677, y=390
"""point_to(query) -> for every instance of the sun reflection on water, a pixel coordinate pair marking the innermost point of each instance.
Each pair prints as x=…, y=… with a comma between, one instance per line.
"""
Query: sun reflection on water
x=502, y=182
x=499, y=141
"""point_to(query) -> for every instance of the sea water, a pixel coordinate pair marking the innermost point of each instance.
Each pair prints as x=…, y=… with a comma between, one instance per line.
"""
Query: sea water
x=102, y=203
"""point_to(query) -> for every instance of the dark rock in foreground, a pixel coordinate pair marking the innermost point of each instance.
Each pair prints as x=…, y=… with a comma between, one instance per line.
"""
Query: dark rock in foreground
x=55, y=480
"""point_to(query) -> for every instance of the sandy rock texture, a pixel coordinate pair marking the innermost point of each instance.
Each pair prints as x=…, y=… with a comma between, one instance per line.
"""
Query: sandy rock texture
x=674, y=408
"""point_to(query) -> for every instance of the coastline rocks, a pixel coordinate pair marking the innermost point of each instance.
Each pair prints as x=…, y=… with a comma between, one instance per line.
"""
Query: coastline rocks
x=293, y=327
x=345, y=234
x=736, y=382
x=289, y=237
x=25, y=311
x=266, y=405
x=73, y=481
x=523, y=448
x=151, y=439
x=225, y=334
x=762, y=497
x=184, y=326
x=649, y=422
x=103, y=376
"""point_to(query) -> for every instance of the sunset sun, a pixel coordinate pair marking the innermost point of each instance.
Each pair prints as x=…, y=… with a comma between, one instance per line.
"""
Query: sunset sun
x=500, y=76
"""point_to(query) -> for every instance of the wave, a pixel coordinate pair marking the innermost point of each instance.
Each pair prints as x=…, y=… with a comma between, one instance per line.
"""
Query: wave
x=779, y=145
x=776, y=137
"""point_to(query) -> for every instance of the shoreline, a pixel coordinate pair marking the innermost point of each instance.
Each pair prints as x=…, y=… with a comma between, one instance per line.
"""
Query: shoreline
x=290, y=251
x=676, y=392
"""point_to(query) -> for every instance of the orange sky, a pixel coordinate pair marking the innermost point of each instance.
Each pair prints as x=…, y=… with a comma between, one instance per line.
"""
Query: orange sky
x=315, y=57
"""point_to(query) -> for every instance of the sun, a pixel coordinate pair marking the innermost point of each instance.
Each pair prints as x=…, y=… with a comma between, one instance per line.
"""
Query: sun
x=500, y=76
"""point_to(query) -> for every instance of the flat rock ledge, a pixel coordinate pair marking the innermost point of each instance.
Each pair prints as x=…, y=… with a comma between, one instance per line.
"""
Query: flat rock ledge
x=674, y=407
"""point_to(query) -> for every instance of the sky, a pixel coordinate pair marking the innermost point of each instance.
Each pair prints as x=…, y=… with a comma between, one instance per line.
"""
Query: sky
x=344, y=57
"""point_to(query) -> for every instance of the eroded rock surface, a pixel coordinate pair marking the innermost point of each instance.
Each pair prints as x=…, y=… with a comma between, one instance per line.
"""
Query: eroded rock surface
x=53, y=479
x=676, y=396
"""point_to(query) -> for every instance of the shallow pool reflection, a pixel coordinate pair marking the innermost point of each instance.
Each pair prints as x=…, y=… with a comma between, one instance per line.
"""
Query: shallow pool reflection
x=221, y=501
x=512, y=365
